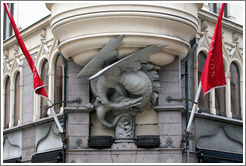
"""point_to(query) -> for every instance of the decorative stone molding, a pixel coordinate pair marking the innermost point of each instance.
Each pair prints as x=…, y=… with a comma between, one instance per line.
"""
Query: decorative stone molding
x=78, y=144
x=204, y=26
x=235, y=37
x=44, y=42
x=6, y=55
x=169, y=143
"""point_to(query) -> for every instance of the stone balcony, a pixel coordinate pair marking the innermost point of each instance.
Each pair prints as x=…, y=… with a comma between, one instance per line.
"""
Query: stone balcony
x=83, y=28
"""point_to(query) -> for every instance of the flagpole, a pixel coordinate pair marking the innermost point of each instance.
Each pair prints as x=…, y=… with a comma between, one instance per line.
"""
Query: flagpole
x=194, y=107
x=55, y=116
x=37, y=82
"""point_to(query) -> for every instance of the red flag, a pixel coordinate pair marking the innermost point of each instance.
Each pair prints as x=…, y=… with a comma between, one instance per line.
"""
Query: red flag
x=37, y=82
x=213, y=74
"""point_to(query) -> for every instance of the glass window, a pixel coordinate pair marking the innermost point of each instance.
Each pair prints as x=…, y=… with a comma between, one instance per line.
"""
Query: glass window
x=7, y=27
x=17, y=99
x=203, y=101
x=220, y=101
x=235, y=91
x=7, y=103
x=45, y=79
x=58, y=83
x=215, y=8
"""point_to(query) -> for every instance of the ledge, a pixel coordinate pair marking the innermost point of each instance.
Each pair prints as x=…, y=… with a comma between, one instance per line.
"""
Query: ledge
x=25, y=33
x=162, y=108
x=219, y=118
x=31, y=124
x=227, y=23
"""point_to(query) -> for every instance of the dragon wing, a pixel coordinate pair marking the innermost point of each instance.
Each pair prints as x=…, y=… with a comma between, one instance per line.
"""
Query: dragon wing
x=107, y=54
x=131, y=63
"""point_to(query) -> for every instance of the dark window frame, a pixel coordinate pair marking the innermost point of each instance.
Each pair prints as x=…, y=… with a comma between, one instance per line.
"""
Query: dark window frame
x=7, y=27
x=45, y=80
x=7, y=103
x=58, y=83
x=235, y=113
x=17, y=99
x=203, y=101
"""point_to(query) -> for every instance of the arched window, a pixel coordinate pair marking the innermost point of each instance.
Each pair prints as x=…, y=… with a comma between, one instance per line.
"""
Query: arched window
x=235, y=91
x=220, y=101
x=17, y=99
x=203, y=101
x=58, y=83
x=45, y=79
x=7, y=103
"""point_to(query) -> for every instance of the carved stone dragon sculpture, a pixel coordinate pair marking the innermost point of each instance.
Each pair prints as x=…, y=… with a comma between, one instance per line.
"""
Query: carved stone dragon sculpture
x=124, y=84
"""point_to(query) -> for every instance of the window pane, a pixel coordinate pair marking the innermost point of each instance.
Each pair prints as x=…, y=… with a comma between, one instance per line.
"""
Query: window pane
x=220, y=103
x=7, y=103
x=45, y=79
x=7, y=27
x=235, y=91
x=203, y=101
x=215, y=8
x=17, y=99
x=58, y=83
x=220, y=100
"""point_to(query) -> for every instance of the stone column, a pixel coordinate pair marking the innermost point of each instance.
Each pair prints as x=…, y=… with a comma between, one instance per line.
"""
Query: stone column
x=170, y=113
x=78, y=120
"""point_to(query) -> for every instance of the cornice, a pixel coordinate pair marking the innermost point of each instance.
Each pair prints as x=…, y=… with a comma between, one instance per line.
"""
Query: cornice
x=31, y=124
x=226, y=23
x=25, y=33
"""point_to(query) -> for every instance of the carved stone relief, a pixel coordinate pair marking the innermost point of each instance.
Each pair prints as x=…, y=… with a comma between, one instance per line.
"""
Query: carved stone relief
x=47, y=137
x=122, y=87
x=12, y=145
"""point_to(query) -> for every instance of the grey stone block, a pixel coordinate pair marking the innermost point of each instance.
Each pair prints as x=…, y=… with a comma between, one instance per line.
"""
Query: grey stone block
x=169, y=76
x=102, y=157
x=27, y=116
x=147, y=158
x=78, y=88
x=28, y=153
x=127, y=157
x=171, y=157
x=78, y=118
x=73, y=68
x=172, y=87
x=169, y=129
x=78, y=130
x=28, y=143
x=170, y=117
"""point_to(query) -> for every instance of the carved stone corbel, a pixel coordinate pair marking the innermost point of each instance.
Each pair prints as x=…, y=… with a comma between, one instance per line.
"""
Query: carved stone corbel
x=235, y=38
x=204, y=26
x=44, y=42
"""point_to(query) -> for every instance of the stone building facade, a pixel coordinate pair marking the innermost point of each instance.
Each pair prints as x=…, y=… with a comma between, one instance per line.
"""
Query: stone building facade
x=61, y=45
